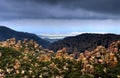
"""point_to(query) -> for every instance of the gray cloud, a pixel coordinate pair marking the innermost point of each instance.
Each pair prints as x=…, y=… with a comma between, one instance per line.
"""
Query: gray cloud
x=106, y=6
x=79, y=9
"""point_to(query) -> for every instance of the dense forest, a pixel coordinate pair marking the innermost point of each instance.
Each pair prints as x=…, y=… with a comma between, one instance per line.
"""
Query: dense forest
x=84, y=42
x=27, y=59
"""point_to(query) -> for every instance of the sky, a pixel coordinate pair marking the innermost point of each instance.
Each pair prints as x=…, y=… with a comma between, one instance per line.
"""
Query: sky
x=61, y=17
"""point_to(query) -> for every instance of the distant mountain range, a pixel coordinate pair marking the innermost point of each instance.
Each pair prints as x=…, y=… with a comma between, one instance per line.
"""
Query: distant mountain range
x=51, y=40
x=84, y=42
x=78, y=43
x=52, y=36
x=6, y=33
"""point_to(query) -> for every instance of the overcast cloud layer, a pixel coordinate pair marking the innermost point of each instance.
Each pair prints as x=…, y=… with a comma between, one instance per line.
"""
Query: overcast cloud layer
x=59, y=9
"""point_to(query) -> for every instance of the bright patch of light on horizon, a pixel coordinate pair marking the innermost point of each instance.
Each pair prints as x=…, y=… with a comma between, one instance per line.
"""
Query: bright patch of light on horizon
x=62, y=28
x=61, y=36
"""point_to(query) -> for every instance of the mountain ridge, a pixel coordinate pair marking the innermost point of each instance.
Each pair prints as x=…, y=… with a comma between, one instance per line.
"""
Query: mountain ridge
x=6, y=33
x=86, y=41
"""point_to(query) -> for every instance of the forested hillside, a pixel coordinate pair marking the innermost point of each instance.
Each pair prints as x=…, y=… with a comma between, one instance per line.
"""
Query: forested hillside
x=84, y=42
x=27, y=59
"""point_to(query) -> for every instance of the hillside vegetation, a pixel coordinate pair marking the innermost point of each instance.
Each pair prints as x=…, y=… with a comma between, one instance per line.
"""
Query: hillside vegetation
x=26, y=59
x=6, y=33
x=86, y=41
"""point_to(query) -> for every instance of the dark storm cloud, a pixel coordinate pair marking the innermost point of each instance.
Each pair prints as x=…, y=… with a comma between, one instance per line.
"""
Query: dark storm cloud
x=107, y=6
x=81, y=9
